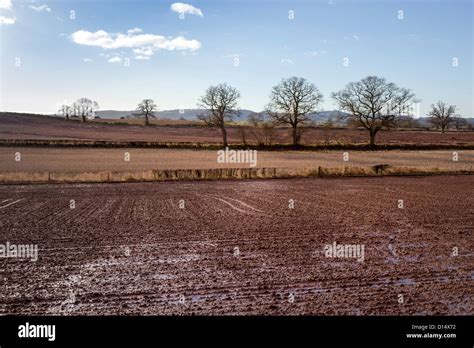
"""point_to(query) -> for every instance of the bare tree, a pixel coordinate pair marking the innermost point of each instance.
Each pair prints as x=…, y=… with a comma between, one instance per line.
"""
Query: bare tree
x=374, y=103
x=291, y=102
x=220, y=104
x=65, y=111
x=75, y=109
x=327, y=126
x=460, y=122
x=256, y=121
x=74, y=112
x=84, y=108
x=242, y=132
x=407, y=122
x=146, y=108
x=263, y=131
x=441, y=115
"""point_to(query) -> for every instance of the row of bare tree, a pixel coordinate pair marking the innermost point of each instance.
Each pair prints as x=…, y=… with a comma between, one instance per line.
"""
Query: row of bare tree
x=372, y=103
x=83, y=108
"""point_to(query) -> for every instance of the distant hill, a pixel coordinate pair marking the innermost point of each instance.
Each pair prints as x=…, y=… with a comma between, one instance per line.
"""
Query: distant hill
x=186, y=114
x=338, y=118
x=191, y=115
x=114, y=114
x=425, y=121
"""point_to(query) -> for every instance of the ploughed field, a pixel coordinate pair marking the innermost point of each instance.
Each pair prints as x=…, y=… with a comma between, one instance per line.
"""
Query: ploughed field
x=24, y=126
x=237, y=247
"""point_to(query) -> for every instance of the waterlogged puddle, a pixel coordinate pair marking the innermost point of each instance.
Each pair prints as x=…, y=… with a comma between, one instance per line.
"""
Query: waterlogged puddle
x=105, y=263
x=411, y=258
x=322, y=291
x=391, y=259
x=444, y=279
x=164, y=276
x=404, y=281
x=179, y=259
x=126, y=261
x=204, y=298
x=388, y=282
x=465, y=306
x=206, y=244
x=413, y=245
x=381, y=283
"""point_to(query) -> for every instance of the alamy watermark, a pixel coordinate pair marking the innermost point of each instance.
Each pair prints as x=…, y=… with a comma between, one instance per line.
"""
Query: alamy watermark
x=411, y=109
x=237, y=156
x=24, y=251
x=37, y=331
x=347, y=251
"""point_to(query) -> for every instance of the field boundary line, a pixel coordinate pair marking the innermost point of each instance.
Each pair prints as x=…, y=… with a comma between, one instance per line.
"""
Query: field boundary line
x=58, y=143
x=222, y=174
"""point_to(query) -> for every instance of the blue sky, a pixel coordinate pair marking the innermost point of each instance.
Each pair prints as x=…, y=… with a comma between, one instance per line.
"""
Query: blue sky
x=173, y=60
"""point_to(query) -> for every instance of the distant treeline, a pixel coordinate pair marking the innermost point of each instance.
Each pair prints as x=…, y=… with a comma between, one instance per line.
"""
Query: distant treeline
x=371, y=103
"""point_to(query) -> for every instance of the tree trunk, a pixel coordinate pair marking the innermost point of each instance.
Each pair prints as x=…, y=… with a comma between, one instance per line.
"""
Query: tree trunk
x=295, y=135
x=443, y=128
x=83, y=118
x=372, y=137
x=224, y=136
x=147, y=122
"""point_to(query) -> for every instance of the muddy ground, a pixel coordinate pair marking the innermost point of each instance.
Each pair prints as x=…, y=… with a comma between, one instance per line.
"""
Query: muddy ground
x=15, y=126
x=237, y=247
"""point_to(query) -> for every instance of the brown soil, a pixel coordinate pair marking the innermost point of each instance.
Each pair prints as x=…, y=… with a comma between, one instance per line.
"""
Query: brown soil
x=19, y=126
x=130, y=249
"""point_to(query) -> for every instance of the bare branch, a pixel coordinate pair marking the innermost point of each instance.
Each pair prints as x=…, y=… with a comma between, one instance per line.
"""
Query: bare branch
x=146, y=108
x=374, y=104
x=292, y=101
x=441, y=115
x=220, y=105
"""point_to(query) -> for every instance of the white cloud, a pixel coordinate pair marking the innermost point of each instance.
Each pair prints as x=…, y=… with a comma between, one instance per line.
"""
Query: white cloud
x=355, y=37
x=87, y=60
x=6, y=4
x=115, y=60
x=7, y=20
x=145, y=51
x=186, y=8
x=134, y=31
x=286, y=61
x=140, y=57
x=141, y=44
x=40, y=8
